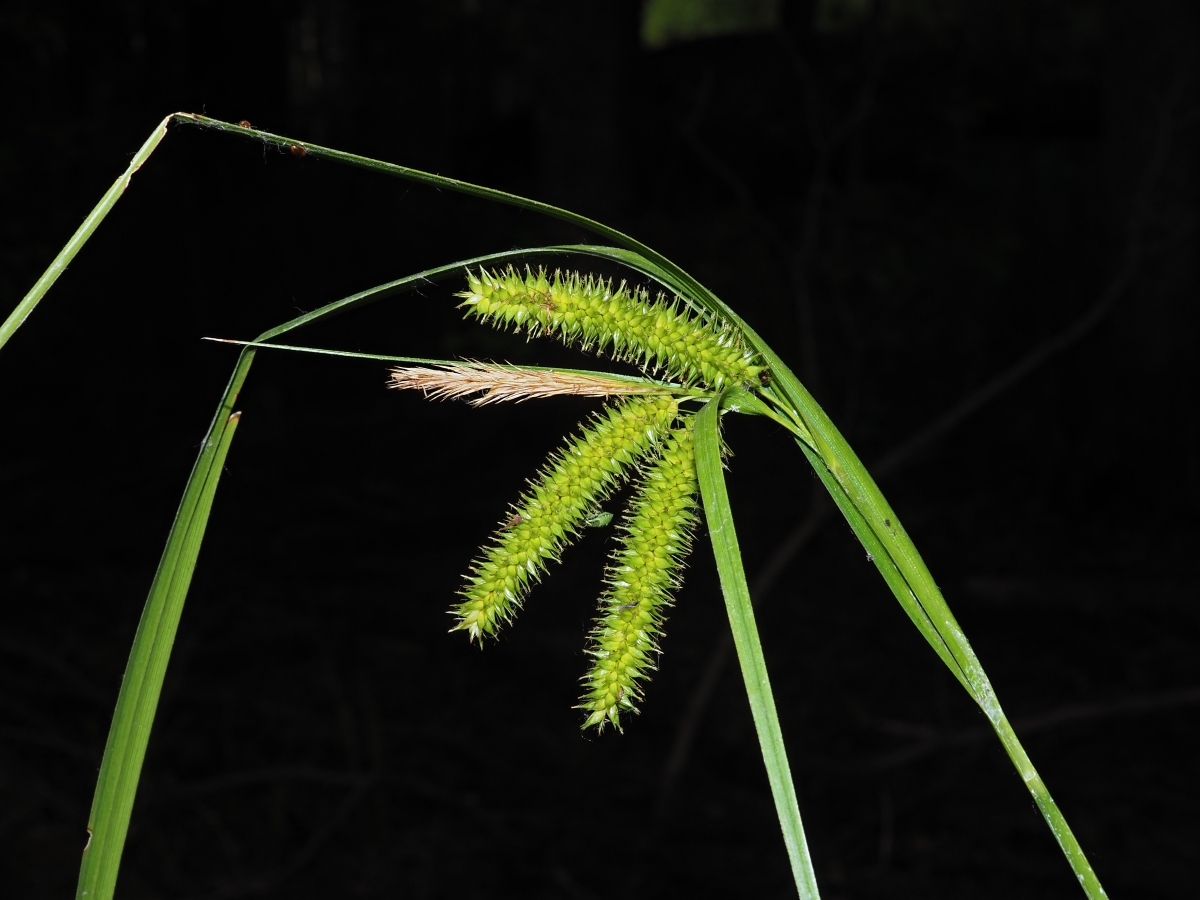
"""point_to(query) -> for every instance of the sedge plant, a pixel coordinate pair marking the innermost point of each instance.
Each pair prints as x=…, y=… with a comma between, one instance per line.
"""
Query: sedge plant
x=660, y=431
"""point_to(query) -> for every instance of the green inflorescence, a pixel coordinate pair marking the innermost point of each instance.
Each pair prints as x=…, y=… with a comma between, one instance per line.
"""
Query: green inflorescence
x=563, y=499
x=657, y=536
x=625, y=322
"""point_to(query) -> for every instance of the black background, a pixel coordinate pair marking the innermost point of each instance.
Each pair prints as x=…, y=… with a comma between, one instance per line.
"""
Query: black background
x=905, y=203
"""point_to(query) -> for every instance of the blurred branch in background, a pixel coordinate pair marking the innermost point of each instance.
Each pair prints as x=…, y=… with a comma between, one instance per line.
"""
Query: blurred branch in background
x=666, y=22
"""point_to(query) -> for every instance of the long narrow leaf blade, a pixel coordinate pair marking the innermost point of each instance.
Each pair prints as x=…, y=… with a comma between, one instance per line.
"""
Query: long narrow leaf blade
x=18, y=316
x=401, y=285
x=878, y=554
x=888, y=544
x=690, y=287
x=721, y=531
x=137, y=702
x=423, y=361
x=990, y=704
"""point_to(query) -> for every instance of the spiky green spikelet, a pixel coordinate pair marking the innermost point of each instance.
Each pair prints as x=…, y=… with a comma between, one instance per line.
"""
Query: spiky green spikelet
x=641, y=579
x=626, y=323
x=559, y=502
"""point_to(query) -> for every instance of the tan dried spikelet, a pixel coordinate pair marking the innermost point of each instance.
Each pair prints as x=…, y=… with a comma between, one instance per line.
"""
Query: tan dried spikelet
x=484, y=383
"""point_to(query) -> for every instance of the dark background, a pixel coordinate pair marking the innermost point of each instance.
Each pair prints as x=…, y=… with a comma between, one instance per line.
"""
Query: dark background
x=906, y=199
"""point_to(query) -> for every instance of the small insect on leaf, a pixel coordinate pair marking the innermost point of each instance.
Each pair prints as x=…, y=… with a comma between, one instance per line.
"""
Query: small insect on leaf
x=245, y=123
x=298, y=150
x=598, y=519
x=515, y=520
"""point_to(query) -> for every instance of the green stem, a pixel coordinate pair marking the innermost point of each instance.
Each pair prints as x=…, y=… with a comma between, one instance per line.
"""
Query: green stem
x=719, y=516
x=1050, y=811
x=18, y=316
x=664, y=387
x=691, y=288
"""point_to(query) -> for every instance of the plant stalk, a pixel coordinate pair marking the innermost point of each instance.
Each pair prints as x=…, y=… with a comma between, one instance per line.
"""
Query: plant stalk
x=18, y=316
x=719, y=516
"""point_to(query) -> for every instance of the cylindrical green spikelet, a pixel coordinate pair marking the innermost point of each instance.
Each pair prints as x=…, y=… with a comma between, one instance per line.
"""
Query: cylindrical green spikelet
x=641, y=579
x=625, y=322
x=559, y=502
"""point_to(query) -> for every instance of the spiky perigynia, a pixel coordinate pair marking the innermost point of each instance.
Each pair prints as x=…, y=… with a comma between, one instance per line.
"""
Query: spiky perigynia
x=559, y=502
x=626, y=322
x=644, y=573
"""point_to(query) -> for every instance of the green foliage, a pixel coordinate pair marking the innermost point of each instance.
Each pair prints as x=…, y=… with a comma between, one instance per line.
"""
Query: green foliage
x=668, y=21
x=723, y=536
x=714, y=348
x=17, y=317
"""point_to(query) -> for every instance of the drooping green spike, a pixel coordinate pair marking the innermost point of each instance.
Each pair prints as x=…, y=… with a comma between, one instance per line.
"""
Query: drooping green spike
x=643, y=575
x=560, y=501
